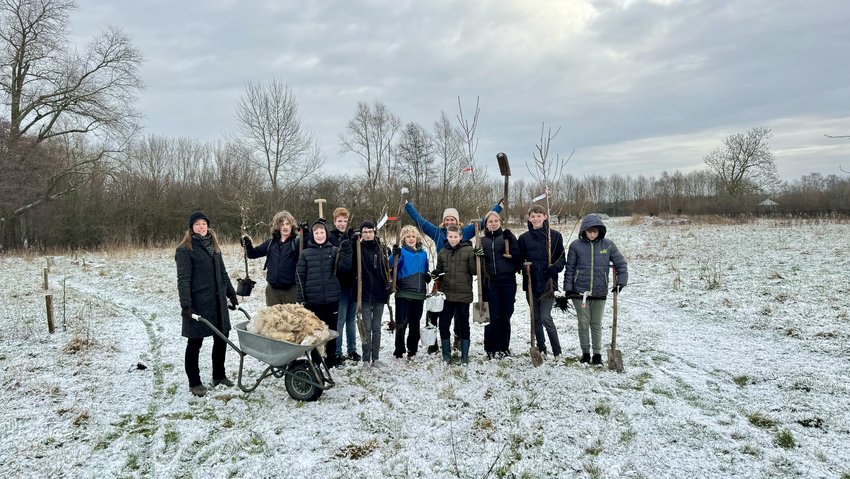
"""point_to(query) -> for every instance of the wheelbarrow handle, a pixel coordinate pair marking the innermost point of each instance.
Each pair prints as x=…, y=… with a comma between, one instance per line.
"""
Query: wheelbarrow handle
x=219, y=333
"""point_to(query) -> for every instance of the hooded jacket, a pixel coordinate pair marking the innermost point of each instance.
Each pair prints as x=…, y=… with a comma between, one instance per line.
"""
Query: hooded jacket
x=458, y=266
x=533, y=247
x=588, y=262
x=413, y=274
x=317, y=271
x=281, y=259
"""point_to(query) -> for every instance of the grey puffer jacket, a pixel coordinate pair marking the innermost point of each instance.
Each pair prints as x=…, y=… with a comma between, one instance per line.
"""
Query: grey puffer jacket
x=588, y=262
x=203, y=285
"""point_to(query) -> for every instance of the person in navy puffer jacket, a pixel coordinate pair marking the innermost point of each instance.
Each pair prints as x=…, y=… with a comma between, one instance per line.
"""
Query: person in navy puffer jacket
x=412, y=278
x=586, y=281
x=499, y=284
x=281, y=252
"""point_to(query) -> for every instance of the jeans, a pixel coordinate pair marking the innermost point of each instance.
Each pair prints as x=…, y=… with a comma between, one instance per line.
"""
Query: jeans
x=347, y=315
x=543, y=320
x=372, y=314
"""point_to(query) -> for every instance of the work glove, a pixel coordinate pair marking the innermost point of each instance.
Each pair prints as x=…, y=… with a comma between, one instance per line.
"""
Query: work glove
x=508, y=235
x=435, y=274
x=396, y=250
x=478, y=251
x=618, y=288
x=404, y=192
x=304, y=226
x=187, y=313
x=246, y=242
x=552, y=271
x=350, y=233
x=234, y=302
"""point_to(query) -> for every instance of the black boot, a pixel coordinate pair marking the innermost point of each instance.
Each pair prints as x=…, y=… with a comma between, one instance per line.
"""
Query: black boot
x=597, y=360
x=585, y=358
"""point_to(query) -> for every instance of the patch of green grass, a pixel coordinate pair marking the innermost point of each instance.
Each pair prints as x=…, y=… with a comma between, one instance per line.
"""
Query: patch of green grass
x=760, y=420
x=357, y=451
x=603, y=409
x=662, y=392
x=133, y=462
x=741, y=381
x=845, y=475
x=570, y=360
x=592, y=469
x=785, y=439
x=595, y=449
x=171, y=436
x=641, y=380
x=627, y=436
x=751, y=451
x=648, y=401
x=171, y=390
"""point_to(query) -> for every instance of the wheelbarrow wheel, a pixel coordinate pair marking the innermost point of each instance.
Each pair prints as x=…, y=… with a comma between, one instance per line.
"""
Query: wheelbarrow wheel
x=298, y=382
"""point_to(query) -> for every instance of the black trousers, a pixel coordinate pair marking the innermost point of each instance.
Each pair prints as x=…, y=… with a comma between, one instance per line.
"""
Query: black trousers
x=328, y=314
x=193, y=353
x=500, y=300
x=408, y=312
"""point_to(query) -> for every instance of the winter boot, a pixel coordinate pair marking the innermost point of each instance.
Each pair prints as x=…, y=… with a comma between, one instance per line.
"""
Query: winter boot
x=597, y=360
x=464, y=351
x=447, y=350
x=585, y=358
x=433, y=349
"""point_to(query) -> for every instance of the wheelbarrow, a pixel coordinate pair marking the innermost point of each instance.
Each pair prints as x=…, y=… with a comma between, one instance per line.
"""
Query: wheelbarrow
x=305, y=373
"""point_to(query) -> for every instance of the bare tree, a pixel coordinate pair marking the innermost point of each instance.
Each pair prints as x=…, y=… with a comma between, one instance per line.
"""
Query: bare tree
x=416, y=158
x=744, y=164
x=474, y=187
x=448, y=156
x=55, y=93
x=271, y=126
x=369, y=135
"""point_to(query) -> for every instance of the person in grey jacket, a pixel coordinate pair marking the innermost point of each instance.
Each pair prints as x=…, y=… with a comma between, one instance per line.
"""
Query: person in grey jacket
x=203, y=286
x=586, y=282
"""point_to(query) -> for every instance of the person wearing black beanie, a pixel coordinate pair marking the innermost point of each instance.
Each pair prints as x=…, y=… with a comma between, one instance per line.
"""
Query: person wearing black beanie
x=204, y=287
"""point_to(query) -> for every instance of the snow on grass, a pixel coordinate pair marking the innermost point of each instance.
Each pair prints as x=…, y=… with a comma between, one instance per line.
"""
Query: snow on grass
x=734, y=339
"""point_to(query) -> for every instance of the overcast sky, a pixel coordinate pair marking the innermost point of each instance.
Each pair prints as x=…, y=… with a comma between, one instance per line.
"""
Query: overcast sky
x=637, y=87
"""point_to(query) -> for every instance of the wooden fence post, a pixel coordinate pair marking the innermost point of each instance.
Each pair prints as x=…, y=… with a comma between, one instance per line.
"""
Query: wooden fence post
x=48, y=300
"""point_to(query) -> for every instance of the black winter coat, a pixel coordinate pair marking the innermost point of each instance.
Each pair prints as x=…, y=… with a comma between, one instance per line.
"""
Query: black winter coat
x=203, y=285
x=498, y=269
x=281, y=260
x=318, y=267
x=532, y=247
x=375, y=269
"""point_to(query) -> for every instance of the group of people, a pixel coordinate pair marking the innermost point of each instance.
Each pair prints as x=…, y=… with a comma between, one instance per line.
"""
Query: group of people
x=332, y=268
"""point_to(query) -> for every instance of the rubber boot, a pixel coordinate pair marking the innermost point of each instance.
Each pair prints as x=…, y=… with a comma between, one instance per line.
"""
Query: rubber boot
x=447, y=349
x=464, y=351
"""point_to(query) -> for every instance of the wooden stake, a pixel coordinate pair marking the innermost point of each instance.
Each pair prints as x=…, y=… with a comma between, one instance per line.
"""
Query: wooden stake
x=45, y=273
x=48, y=301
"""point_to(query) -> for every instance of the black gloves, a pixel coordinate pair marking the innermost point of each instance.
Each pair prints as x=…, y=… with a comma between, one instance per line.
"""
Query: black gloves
x=436, y=274
x=552, y=271
x=234, y=302
x=427, y=278
x=396, y=250
x=304, y=226
x=245, y=241
x=508, y=235
x=618, y=288
x=187, y=313
x=478, y=251
x=350, y=233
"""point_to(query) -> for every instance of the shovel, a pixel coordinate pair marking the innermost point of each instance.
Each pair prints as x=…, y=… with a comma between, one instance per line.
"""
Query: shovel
x=481, y=309
x=536, y=357
x=615, y=357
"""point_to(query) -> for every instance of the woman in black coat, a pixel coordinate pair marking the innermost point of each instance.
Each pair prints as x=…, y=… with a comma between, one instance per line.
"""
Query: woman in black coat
x=203, y=287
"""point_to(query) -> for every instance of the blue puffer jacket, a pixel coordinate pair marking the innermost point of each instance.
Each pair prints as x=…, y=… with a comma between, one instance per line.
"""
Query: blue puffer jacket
x=281, y=259
x=438, y=234
x=413, y=273
x=588, y=262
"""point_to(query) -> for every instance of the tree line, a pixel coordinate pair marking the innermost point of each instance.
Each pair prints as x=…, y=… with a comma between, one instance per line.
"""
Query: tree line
x=77, y=172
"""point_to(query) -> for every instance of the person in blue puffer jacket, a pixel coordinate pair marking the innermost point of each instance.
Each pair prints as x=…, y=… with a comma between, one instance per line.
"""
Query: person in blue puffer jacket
x=412, y=277
x=586, y=282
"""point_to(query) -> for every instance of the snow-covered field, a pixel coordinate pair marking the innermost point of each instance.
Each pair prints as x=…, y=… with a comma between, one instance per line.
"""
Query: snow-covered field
x=734, y=337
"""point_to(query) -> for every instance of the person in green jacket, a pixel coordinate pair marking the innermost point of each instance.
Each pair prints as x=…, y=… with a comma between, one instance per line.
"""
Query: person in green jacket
x=455, y=268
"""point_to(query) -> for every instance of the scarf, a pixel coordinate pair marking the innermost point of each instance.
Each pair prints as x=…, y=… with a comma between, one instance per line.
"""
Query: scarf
x=206, y=241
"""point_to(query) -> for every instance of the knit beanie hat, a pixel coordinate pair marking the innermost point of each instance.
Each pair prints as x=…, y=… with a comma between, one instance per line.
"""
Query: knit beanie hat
x=198, y=215
x=367, y=224
x=451, y=212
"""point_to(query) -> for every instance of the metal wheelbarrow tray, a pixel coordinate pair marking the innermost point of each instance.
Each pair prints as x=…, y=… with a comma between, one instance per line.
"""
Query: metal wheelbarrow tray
x=305, y=378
